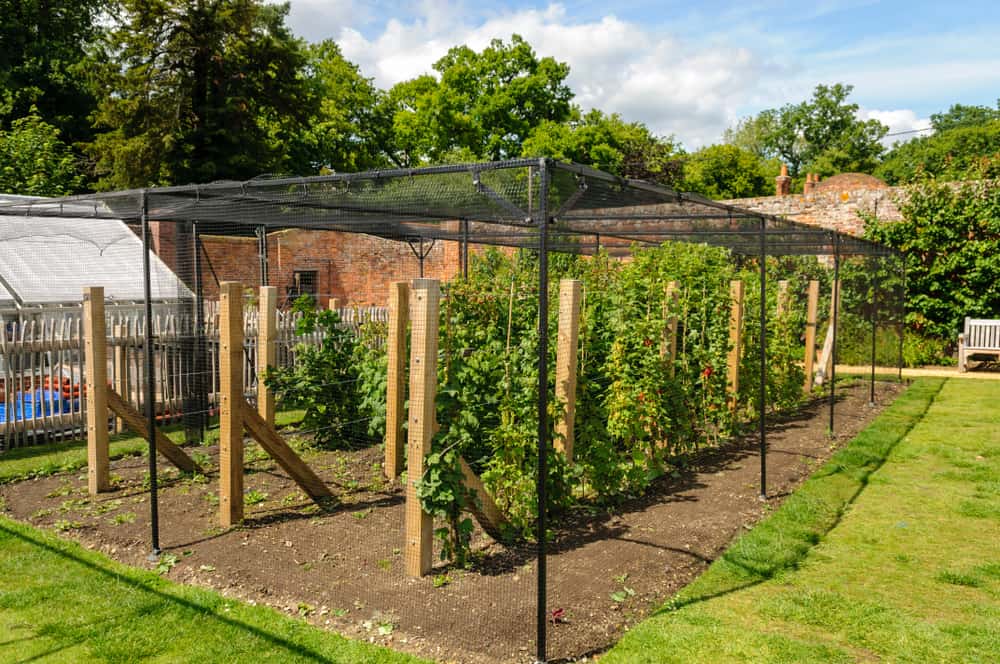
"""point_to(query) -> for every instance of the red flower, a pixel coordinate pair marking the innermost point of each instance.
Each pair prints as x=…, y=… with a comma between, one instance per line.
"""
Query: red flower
x=558, y=615
x=647, y=342
x=707, y=371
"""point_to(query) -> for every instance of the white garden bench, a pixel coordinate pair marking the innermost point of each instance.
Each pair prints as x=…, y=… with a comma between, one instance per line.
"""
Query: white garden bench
x=981, y=337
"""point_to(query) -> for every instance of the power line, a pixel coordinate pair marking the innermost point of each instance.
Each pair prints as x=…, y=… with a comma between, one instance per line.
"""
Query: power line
x=910, y=131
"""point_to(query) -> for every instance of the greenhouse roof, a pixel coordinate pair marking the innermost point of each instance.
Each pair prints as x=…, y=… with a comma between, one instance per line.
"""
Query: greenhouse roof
x=500, y=202
x=50, y=261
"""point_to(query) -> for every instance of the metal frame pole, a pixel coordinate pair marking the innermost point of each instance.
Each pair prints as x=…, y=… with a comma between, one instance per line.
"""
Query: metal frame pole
x=874, y=322
x=543, y=397
x=200, y=383
x=465, y=248
x=154, y=511
x=762, y=415
x=262, y=253
x=833, y=324
x=901, y=306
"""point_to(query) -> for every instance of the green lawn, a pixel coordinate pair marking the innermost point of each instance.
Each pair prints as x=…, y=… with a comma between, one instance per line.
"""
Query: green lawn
x=61, y=603
x=897, y=562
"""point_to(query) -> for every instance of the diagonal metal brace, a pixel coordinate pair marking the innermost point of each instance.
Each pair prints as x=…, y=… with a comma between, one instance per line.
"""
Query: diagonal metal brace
x=581, y=189
x=485, y=190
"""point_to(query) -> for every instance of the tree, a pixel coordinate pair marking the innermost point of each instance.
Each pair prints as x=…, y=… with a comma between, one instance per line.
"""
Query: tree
x=608, y=143
x=198, y=90
x=960, y=115
x=347, y=133
x=822, y=135
x=484, y=104
x=959, y=150
x=44, y=63
x=950, y=238
x=34, y=160
x=727, y=171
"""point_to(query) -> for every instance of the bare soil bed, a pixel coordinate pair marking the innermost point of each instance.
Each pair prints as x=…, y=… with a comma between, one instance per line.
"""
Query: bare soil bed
x=341, y=567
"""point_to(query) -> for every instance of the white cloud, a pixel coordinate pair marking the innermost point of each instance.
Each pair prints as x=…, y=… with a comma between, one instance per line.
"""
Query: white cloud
x=903, y=124
x=674, y=86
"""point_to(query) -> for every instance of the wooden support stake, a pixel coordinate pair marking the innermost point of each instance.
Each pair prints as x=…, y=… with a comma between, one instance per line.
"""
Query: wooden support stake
x=230, y=400
x=96, y=386
x=735, y=350
x=825, y=363
x=286, y=457
x=782, y=298
x=424, y=305
x=267, y=349
x=570, y=294
x=334, y=304
x=810, y=355
x=485, y=510
x=121, y=369
x=668, y=349
x=137, y=423
x=399, y=310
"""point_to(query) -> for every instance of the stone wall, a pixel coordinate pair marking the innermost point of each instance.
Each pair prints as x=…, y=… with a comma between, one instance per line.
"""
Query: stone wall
x=838, y=209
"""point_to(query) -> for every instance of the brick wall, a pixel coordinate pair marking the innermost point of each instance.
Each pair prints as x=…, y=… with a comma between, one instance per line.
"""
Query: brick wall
x=352, y=267
x=836, y=208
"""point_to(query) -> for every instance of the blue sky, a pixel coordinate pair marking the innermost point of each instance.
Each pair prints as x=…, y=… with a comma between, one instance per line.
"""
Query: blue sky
x=693, y=68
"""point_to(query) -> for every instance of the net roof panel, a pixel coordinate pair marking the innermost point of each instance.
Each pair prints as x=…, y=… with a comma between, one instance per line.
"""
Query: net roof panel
x=502, y=201
x=45, y=260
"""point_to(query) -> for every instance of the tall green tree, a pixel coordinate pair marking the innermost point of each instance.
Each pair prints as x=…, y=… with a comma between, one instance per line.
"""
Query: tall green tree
x=966, y=140
x=349, y=132
x=34, y=161
x=483, y=104
x=950, y=237
x=823, y=134
x=728, y=171
x=44, y=62
x=609, y=143
x=198, y=90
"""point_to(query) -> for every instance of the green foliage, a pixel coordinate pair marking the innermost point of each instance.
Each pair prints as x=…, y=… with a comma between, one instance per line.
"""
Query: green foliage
x=194, y=92
x=44, y=61
x=608, y=143
x=636, y=413
x=485, y=104
x=961, y=115
x=950, y=237
x=728, y=171
x=34, y=161
x=347, y=132
x=949, y=154
x=323, y=380
x=822, y=135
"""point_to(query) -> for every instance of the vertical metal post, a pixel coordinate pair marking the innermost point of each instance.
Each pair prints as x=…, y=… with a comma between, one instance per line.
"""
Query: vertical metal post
x=874, y=322
x=200, y=383
x=833, y=325
x=262, y=253
x=154, y=512
x=762, y=415
x=901, y=305
x=465, y=248
x=543, y=405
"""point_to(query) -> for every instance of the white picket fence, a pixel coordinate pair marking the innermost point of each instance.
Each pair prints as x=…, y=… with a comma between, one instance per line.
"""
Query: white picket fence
x=41, y=366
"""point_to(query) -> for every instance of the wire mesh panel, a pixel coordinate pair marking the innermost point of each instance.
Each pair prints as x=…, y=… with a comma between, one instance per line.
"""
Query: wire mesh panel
x=583, y=434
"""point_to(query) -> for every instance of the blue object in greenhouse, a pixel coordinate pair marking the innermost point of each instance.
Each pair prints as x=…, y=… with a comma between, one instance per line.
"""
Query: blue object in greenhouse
x=40, y=403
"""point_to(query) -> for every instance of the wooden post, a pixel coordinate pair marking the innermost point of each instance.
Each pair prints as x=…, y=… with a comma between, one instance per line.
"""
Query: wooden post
x=668, y=349
x=96, y=384
x=424, y=305
x=121, y=368
x=570, y=293
x=267, y=349
x=825, y=364
x=735, y=329
x=230, y=400
x=810, y=355
x=334, y=304
x=782, y=298
x=399, y=297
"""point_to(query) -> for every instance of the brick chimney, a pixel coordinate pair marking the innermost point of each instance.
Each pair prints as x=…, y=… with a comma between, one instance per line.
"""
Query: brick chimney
x=783, y=183
x=811, y=181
